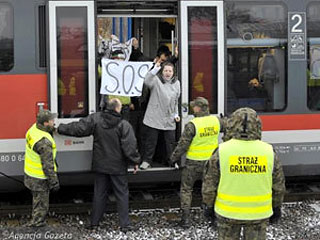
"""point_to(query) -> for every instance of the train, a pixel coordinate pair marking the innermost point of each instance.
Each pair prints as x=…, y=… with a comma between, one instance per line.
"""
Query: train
x=253, y=53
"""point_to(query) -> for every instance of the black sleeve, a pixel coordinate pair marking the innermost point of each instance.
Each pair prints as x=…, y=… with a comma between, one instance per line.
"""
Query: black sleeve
x=129, y=142
x=83, y=128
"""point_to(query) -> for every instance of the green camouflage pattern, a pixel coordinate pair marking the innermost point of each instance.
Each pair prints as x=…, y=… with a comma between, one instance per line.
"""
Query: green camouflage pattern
x=40, y=187
x=200, y=102
x=40, y=208
x=192, y=171
x=45, y=116
x=243, y=124
x=230, y=229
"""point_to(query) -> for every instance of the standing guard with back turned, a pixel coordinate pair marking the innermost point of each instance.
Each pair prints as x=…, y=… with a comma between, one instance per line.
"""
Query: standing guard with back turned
x=199, y=139
x=40, y=167
x=244, y=180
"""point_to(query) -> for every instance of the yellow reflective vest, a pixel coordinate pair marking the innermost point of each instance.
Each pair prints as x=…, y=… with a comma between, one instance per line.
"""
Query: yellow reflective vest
x=245, y=187
x=206, y=139
x=32, y=161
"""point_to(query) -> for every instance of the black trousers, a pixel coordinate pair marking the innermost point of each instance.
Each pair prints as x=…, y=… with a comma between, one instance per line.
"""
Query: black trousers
x=103, y=184
x=150, y=140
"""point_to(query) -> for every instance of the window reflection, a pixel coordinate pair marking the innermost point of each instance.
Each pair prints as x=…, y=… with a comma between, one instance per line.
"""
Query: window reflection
x=256, y=64
x=202, y=29
x=6, y=37
x=313, y=71
x=72, y=62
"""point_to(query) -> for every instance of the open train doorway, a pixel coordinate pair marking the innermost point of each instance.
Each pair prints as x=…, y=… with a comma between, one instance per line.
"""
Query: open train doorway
x=140, y=33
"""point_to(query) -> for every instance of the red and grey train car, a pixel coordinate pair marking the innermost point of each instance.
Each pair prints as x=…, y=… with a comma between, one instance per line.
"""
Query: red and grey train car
x=261, y=54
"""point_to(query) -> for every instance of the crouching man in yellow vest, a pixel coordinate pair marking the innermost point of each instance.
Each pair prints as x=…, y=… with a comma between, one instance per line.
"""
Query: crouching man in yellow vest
x=40, y=166
x=244, y=180
x=198, y=140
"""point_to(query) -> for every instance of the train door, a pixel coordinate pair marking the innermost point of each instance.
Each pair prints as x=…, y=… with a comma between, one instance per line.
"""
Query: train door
x=202, y=54
x=72, y=73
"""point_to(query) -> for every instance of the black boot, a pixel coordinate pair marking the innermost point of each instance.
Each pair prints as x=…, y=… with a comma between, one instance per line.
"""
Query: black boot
x=185, y=219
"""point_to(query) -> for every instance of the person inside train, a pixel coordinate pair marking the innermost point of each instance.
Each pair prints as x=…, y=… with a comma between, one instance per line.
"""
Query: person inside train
x=162, y=110
x=125, y=100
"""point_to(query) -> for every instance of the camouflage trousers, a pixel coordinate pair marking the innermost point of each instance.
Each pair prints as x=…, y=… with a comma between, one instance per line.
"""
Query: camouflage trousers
x=230, y=229
x=40, y=207
x=193, y=171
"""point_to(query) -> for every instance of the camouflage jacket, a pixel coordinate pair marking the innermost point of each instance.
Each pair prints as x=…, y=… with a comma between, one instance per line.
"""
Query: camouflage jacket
x=186, y=138
x=44, y=149
x=212, y=177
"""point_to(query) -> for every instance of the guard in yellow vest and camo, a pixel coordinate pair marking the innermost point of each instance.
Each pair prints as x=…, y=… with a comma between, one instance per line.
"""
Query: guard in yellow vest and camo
x=40, y=167
x=244, y=180
x=198, y=140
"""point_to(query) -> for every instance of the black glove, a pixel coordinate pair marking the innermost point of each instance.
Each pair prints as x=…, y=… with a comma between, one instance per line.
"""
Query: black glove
x=276, y=215
x=208, y=213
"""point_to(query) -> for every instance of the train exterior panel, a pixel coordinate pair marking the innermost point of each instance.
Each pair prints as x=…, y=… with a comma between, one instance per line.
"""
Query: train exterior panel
x=260, y=54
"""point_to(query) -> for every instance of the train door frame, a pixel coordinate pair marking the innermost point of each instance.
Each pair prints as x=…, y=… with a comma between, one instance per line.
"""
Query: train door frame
x=184, y=53
x=91, y=46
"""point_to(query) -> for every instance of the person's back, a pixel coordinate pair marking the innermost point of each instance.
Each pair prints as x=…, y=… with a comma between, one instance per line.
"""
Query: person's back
x=114, y=144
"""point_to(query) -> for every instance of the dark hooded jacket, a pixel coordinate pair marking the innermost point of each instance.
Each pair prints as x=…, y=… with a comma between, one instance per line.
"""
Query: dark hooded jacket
x=114, y=143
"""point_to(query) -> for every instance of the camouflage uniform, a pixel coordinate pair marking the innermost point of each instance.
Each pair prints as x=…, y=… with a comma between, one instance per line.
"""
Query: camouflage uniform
x=193, y=170
x=229, y=229
x=40, y=188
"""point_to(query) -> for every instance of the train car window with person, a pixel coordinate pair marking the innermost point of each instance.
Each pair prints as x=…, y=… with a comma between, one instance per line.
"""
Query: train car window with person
x=6, y=37
x=313, y=71
x=256, y=51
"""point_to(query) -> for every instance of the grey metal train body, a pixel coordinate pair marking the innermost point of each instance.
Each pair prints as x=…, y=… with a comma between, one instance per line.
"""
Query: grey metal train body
x=260, y=54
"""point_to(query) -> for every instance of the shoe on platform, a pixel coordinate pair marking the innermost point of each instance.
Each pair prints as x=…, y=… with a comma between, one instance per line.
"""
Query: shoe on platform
x=127, y=229
x=145, y=165
x=91, y=227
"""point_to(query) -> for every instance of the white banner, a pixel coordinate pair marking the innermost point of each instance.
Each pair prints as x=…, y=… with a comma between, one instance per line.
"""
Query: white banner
x=123, y=78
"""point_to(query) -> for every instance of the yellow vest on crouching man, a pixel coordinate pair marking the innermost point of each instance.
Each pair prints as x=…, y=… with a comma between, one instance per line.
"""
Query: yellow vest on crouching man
x=206, y=139
x=32, y=161
x=245, y=187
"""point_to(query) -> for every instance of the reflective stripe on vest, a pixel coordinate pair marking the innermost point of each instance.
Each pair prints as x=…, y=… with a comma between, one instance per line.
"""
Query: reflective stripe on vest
x=206, y=139
x=245, y=187
x=32, y=161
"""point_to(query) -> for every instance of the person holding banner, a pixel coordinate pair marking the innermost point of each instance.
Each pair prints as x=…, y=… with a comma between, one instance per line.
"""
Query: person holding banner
x=162, y=110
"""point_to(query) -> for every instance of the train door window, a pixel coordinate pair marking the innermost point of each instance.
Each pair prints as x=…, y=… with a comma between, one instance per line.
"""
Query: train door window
x=256, y=51
x=6, y=37
x=313, y=71
x=72, y=58
x=202, y=53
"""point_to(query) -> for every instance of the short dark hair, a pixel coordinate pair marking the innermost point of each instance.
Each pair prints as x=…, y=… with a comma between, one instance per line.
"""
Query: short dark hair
x=163, y=49
x=113, y=103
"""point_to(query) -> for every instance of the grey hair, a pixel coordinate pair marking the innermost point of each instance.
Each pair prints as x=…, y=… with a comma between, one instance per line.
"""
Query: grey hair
x=113, y=103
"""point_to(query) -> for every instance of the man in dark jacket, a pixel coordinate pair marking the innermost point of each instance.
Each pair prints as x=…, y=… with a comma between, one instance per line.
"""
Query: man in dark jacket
x=113, y=145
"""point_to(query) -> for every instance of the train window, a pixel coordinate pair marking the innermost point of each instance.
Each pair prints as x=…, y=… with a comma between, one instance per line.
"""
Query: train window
x=42, y=36
x=256, y=51
x=202, y=36
x=72, y=57
x=6, y=37
x=313, y=71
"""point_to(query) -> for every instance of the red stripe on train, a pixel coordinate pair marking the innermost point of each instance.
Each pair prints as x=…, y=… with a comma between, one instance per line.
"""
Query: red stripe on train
x=19, y=95
x=290, y=122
